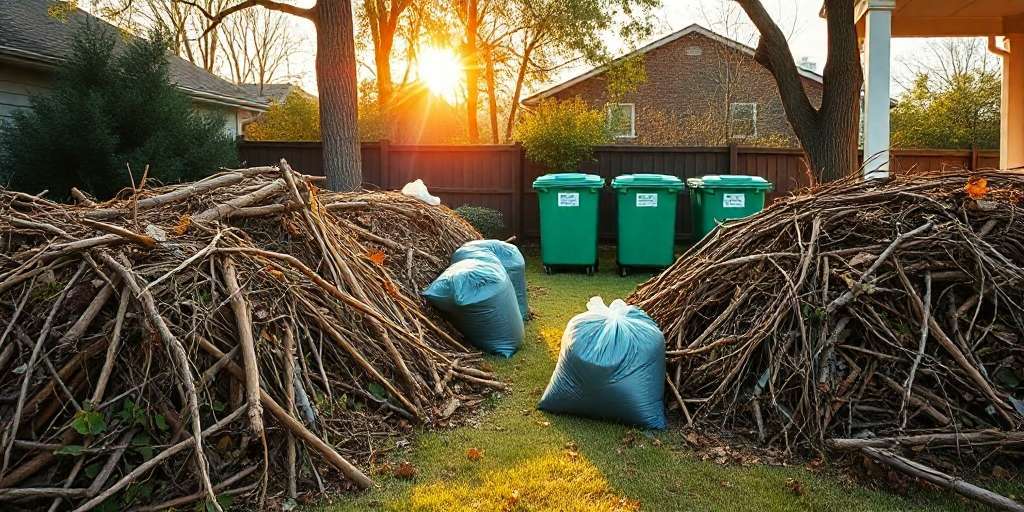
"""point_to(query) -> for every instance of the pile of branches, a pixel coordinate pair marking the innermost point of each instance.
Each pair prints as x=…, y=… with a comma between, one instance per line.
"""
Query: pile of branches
x=860, y=315
x=241, y=336
x=430, y=235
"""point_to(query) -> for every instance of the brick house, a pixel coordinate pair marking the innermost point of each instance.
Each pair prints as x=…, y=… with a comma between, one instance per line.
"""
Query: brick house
x=701, y=88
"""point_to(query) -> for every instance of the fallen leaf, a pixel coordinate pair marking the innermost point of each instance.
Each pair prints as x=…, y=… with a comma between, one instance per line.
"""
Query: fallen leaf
x=474, y=454
x=795, y=486
x=275, y=273
x=405, y=471
x=512, y=500
x=544, y=423
x=184, y=222
x=977, y=188
x=376, y=257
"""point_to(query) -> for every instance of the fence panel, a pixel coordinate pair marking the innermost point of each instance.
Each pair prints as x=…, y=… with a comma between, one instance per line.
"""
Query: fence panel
x=500, y=177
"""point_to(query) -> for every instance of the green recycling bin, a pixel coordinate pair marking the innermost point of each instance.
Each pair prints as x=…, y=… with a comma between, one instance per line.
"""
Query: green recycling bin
x=568, y=219
x=647, y=219
x=717, y=198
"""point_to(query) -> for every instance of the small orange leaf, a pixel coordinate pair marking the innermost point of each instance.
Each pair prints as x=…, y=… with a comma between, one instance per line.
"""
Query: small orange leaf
x=405, y=471
x=391, y=289
x=977, y=188
x=474, y=454
x=376, y=257
x=182, y=226
x=275, y=273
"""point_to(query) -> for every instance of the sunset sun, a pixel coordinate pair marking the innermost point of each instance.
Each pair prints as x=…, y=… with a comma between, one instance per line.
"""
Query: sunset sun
x=440, y=70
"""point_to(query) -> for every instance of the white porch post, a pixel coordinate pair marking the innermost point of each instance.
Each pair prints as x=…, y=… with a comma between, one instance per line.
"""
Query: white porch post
x=1011, y=138
x=877, y=62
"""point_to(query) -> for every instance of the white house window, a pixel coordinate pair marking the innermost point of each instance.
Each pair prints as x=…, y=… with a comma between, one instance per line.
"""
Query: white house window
x=742, y=120
x=622, y=120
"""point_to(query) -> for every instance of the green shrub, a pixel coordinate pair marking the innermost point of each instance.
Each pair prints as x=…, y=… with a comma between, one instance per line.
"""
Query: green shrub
x=488, y=221
x=561, y=134
x=112, y=106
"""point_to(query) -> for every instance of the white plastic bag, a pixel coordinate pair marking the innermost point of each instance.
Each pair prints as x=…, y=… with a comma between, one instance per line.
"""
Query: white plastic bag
x=418, y=190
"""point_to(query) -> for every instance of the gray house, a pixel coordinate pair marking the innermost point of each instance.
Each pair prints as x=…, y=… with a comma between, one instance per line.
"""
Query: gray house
x=32, y=43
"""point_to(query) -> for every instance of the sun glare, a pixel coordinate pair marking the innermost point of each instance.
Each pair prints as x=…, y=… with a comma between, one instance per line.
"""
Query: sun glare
x=441, y=71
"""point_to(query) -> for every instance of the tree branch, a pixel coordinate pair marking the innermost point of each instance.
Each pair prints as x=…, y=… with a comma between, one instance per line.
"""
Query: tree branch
x=773, y=53
x=216, y=19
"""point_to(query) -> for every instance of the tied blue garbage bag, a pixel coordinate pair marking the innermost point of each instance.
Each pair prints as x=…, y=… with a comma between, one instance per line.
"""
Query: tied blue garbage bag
x=477, y=297
x=611, y=367
x=511, y=259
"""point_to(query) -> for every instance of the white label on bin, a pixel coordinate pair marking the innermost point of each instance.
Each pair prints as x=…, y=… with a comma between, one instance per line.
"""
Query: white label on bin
x=734, y=200
x=647, y=200
x=568, y=199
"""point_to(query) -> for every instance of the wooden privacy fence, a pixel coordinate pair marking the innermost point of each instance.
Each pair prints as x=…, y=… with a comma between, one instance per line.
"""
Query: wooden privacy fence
x=500, y=176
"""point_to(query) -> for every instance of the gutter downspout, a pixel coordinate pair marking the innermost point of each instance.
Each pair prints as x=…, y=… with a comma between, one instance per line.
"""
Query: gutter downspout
x=996, y=49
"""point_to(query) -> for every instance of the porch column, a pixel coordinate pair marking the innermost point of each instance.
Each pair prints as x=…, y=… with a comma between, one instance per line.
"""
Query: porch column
x=1011, y=126
x=877, y=62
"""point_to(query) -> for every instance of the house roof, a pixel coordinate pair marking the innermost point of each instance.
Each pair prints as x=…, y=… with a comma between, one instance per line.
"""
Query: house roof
x=29, y=34
x=692, y=29
x=272, y=92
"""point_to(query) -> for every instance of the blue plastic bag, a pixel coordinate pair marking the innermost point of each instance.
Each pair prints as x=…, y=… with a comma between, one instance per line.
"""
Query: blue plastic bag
x=477, y=297
x=611, y=366
x=509, y=257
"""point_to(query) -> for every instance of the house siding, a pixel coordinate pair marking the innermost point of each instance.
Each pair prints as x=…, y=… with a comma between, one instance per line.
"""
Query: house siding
x=17, y=86
x=19, y=83
x=689, y=85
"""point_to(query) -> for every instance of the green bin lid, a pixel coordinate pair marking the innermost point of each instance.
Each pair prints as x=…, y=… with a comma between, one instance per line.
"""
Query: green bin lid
x=729, y=181
x=665, y=181
x=568, y=180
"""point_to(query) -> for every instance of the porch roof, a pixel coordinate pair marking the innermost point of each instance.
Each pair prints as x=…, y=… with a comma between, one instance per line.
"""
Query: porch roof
x=948, y=18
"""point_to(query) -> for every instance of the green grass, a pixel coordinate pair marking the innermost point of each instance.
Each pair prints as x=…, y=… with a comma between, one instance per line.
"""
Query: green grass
x=538, y=461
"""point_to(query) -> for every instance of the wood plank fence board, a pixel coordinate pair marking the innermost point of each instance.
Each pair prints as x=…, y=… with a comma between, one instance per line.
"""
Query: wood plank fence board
x=501, y=177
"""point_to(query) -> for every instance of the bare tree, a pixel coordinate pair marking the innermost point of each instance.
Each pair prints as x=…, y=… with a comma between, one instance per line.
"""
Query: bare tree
x=828, y=134
x=336, y=79
x=251, y=47
x=728, y=73
x=943, y=60
x=184, y=21
x=257, y=45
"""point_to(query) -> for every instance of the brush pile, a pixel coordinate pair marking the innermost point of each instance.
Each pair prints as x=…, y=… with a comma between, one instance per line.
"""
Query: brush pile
x=241, y=336
x=858, y=315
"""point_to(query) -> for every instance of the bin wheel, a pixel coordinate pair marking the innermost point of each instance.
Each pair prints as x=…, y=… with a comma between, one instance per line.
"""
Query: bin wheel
x=547, y=270
x=623, y=271
x=590, y=270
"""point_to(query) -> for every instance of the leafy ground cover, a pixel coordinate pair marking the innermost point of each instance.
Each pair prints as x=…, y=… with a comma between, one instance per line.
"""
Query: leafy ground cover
x=515, y=458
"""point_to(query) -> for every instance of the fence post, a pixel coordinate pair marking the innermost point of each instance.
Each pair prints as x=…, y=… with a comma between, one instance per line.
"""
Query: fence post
x=517, y=193
x=734, y=158
x=385, y=167
x=974, y=158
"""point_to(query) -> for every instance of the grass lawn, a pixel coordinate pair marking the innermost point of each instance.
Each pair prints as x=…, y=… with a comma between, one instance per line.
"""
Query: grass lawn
x=531, y=460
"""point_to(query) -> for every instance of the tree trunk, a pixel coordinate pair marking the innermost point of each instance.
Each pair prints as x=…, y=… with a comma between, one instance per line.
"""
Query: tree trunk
x=472, y=72
x=518, y=90
x=336, y=80
x=829, y=135
x=492, y=94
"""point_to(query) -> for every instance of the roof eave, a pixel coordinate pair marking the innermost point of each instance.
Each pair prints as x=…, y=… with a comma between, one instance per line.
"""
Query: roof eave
x=46, y=62
x=209, y=97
